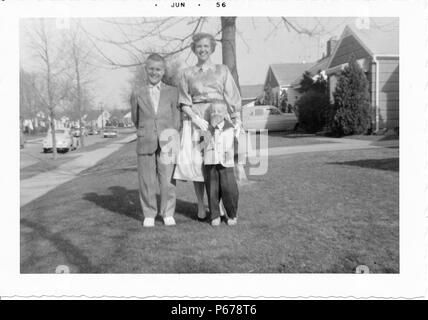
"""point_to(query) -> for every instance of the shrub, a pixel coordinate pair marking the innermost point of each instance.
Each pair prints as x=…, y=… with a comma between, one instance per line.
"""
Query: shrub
x=313, y=110
x=311, y=82
x=351, y=102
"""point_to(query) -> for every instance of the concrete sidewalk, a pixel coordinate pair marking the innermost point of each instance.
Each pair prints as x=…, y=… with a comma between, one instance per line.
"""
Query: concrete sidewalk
x=341, y=144
x=42, y=183
x=327, y=144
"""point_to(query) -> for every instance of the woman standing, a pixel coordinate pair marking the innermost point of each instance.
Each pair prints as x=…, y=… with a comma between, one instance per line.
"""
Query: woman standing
x=200, y=86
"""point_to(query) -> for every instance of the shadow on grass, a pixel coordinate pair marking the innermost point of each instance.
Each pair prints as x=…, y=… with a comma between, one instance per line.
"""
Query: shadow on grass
x=73, y=255
x=127, y=202
x=389, y=164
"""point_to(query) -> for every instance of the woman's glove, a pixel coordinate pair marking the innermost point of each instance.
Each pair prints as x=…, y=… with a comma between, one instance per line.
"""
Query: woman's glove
x=201, y=123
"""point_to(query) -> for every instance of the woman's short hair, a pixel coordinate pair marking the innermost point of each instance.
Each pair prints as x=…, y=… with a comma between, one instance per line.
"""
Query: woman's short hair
x=203, y=35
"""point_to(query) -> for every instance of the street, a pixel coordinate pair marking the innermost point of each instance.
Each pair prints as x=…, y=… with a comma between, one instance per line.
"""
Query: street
x=32, y=153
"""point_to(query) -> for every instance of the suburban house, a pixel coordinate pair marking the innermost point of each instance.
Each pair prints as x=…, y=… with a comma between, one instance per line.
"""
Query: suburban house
x=249, y=93
x=377, y=52
x=319, y=67
x=127, y=119
x=117, y=116
x=96, y=118
x=282, y=76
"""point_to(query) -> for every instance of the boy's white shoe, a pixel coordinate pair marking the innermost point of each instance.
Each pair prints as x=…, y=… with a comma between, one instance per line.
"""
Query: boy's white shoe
x=216, y=222
x=232, y=222
x=149, y=222
x=169, y=221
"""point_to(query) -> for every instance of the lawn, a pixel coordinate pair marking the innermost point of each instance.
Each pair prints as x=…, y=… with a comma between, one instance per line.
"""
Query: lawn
x=390, y=141
x=45, y=164
x=325, y=212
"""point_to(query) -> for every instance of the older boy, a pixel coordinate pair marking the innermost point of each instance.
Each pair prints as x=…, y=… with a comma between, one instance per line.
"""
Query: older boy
x=153, y=110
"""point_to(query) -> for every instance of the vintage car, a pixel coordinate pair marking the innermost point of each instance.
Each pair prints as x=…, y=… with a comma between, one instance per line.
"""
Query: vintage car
x=109, y=132
x=76, y=132
x=64, y=141
x=268, y=117
x=92, y=131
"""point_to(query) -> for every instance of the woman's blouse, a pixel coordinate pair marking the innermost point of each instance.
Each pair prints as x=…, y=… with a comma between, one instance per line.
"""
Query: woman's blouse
x=208, y=83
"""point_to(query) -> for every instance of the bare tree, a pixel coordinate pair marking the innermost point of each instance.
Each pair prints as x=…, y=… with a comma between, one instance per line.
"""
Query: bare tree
x=29, y=101
x=80, y=57
x=53, y=87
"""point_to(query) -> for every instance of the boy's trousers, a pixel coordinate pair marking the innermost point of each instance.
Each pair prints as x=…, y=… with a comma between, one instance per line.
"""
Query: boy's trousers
x=151, y=171
x=220, y=183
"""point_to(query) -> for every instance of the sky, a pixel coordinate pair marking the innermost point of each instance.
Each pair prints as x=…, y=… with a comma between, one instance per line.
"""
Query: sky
x=260, y=42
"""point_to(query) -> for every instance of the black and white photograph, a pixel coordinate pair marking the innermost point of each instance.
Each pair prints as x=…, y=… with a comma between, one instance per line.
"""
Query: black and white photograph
x=97, y=94
x=231, y=144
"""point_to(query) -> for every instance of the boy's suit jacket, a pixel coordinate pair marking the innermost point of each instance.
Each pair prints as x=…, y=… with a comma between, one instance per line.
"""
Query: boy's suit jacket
x=220, y=146
x=149, y=123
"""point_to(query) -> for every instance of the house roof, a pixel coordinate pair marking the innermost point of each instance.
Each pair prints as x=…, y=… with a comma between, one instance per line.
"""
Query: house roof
x=286, y=73
x=251, y=91
x=378, y=41
x=320, y=65
x=118, y=113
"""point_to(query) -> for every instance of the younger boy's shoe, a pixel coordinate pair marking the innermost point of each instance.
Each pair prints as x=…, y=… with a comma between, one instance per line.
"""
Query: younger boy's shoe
x=232, y=222
x=169, y=221
x=216, y=222
x=149, y=222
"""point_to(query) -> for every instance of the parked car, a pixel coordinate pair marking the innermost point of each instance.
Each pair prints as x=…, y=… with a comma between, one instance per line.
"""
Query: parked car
x=268, y=117
x=109, y=132
x=64, y=141
x=92, y=131
x=76, y=132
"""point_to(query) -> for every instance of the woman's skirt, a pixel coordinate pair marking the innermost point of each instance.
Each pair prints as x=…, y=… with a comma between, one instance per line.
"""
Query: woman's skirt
x=190, y=157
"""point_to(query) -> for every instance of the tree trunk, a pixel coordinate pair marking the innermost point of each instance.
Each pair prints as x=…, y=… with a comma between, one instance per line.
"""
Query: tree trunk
x=52, y=110
x=79, y=103
x=52, y=115
x=228, y=46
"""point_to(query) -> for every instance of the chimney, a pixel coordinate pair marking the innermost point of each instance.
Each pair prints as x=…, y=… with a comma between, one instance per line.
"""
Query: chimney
x=331, y=44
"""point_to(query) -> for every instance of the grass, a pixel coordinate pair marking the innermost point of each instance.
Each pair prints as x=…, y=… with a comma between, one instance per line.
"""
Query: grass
x=44, y=165
x=321, y=212
x=389, y=141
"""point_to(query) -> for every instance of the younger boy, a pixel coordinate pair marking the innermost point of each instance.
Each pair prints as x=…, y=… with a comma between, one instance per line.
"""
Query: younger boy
x=219, y=176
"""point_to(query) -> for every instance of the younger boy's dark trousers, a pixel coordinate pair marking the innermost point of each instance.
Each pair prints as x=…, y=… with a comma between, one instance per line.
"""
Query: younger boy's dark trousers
x=220, y=183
